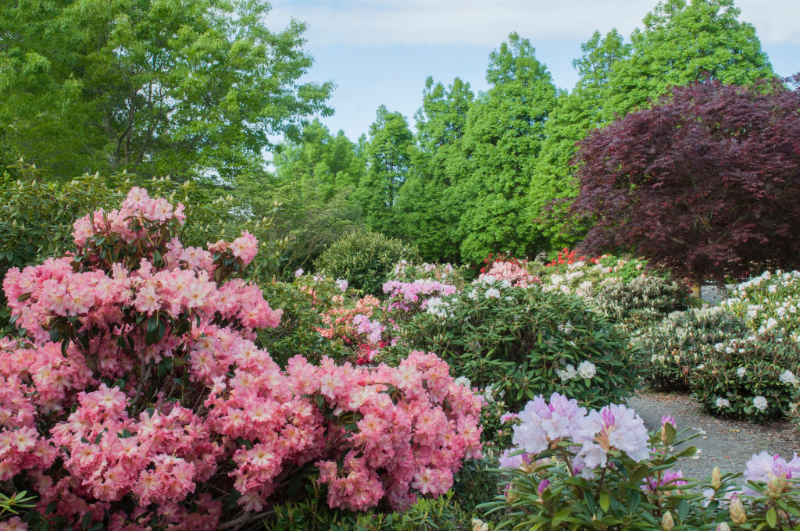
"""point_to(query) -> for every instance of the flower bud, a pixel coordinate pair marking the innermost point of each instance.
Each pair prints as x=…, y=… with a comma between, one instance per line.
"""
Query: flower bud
x=716, y=478
x=775, y=488
x=543, y=486
x=667, y=523
x=723, y=527
x=737, y=511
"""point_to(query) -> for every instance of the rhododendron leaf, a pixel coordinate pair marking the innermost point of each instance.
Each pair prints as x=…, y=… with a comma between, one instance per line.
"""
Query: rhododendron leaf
x=125, y=434
x=772, y=517
x=671, y=433
x=605, y=501
x=87, y=519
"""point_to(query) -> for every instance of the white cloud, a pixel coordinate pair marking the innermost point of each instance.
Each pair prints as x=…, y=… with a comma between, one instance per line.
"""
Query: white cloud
x=482, y=23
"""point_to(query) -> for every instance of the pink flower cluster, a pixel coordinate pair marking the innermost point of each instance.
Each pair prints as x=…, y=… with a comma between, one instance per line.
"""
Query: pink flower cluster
x=131, y=221
x=355, y=327
x=512, y=271
x=411, y=296
x=768, y=468
x=594, y=433
x=155, y=399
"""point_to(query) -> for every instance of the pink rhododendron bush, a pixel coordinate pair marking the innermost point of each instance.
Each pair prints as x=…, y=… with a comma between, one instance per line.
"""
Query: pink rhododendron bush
x=136, y=398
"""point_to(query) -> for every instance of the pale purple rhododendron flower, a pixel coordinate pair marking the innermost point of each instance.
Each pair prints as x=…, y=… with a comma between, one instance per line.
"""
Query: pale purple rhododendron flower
x=613, y=427
x=544, y=423
x=673, y=479
x=507, y=460
x=765, y=467
x=299, y=273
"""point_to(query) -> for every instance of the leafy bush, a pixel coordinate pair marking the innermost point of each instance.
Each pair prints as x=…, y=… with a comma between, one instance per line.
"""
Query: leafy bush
x=574, y=469
x=525, y=342
x=365, y=259
x=405, y=271
x=139, y=380
x=444, y=513
x=753, y=378
x=769, y=302
x=304, y=302
x=640, y=301
x=669, y=350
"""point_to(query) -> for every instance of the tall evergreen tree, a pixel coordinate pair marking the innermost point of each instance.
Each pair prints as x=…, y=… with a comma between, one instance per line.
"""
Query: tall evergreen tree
x=503, y=137
x=575, y=114
x=429, y=215
x=388, y=153
x=683, y=42
x=322, y=162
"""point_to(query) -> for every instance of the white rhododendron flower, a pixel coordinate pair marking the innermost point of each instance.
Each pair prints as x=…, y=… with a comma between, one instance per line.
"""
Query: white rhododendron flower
x=587, y=369
x=723, y=402
x=740, y=372
x=788, y=377
x=760, y=403
x=492, y=293
x=567, y=374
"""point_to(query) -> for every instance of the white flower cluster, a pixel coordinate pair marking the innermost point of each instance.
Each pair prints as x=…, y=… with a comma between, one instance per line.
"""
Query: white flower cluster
x=770, y=302
x=439, y=307
x=586, y=369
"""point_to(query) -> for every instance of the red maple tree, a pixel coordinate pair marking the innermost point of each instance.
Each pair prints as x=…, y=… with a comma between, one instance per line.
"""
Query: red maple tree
x=707, y=182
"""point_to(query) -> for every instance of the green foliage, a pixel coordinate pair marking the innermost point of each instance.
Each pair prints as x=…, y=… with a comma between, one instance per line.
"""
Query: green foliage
x=428, y=209
x=443, y=514
x=522, y=341
x=640, y=301
x=364, y=259
x=741, y=370
x=297, y=331
x=180, y=87
x=668, y=351
x=684, y=42
x=576, y=113
x=502, y=140
x=326, y=162
x=389, y=154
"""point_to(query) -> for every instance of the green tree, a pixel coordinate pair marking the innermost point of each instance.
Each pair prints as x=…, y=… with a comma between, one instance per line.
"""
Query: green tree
x=683, y=42
x=180, y=87
x=388, y=152
x=428, y=210
x=575, y=114
x=503, y=137
x=320, y=161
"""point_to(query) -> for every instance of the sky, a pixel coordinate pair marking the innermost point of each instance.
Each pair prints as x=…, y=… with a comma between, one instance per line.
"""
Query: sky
x=379, y=52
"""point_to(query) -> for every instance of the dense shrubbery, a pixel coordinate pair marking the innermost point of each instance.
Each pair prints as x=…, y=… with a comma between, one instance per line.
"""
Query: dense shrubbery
x=769, y=302
x=639, y=302
x=668, y=351
x=577, y=469
x=525, y=342
x=139, y=376
x=751, y=378
x=365, y=259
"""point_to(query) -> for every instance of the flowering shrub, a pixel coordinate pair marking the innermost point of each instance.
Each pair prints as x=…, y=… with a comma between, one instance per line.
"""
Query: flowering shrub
x=769, y=302
x=357, y=327
x=752, y=378
x=366, y=260
x=526, y=341
x=668, y=351
x=577, y=469
x=510, y=269
x=640, y=301
x=408, y=298
x=304, y=302
x=139, y=380
x=406, y=271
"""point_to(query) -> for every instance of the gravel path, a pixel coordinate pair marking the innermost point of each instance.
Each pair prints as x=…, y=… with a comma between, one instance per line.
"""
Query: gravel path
x=727, y=444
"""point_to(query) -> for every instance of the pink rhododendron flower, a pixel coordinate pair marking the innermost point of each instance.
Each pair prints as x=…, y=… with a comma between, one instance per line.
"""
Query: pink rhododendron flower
x=143, y=381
